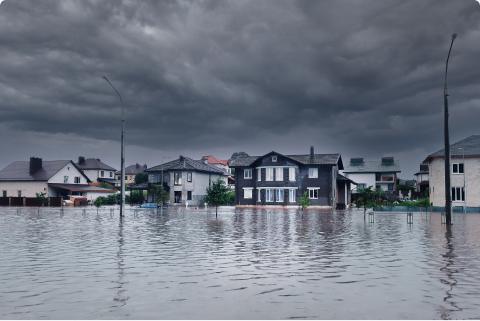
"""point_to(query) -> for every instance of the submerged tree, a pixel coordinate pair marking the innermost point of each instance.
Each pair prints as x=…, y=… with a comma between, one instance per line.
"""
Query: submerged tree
x=304, y=201
x=217, y=194
x=160, y=195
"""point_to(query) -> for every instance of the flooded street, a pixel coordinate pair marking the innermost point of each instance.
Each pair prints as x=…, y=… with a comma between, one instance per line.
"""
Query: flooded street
x=183, y=264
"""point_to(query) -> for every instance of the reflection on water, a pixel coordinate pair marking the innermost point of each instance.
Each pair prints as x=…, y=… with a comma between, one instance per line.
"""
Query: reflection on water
x=181, y=263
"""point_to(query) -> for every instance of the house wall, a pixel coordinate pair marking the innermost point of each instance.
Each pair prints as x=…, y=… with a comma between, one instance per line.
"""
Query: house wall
x=70, y=171
x=29, y=189
x=94, y=174
x=472, y=177
x=362, y=178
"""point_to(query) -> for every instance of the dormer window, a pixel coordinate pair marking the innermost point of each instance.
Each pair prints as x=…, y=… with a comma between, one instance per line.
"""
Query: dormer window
x=274, y=158
x=247, y=173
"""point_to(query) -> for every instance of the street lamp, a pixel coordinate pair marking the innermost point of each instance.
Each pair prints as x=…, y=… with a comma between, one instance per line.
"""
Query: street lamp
x=448, y=196
x=122, y=149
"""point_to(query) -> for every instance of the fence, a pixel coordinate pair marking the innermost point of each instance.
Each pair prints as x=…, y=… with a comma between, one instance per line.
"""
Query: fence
x=31, y=201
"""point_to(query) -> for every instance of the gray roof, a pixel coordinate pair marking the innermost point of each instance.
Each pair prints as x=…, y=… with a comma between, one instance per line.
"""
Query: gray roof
x=134, y=169
x=20, y=171
x=242, y=159
x=469, y=147
x=185, y=163
x=94, y=163
x=372, y=166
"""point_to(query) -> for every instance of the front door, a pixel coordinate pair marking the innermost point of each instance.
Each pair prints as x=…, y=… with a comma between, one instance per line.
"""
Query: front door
x=178, y=196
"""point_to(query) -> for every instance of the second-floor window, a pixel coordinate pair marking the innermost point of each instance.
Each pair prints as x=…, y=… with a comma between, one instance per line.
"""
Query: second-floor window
x=177, y=178
x=77, y=179
x=19, y=193
x=259, y=174
x=102, y=173
x=291, y=174
x=279, y=174
x=111, y=174
x=274, y=159
x=65, y=179
x=269, y=175
x=457, y=168
x=247, y=173
x=313, y=172
x=4, y=193
x=189, y=176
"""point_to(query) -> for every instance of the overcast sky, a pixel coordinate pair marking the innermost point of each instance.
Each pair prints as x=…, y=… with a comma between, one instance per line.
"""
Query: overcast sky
x=362, y=78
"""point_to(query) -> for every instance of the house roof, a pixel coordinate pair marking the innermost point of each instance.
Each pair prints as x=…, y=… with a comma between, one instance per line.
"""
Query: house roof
x=20, y=171
x=134, y=169
x=373, y=166
x=215, y=161
x=185, y=163
x=243, y=159
x=94, y=163
x=341, y=178
x=468, y=147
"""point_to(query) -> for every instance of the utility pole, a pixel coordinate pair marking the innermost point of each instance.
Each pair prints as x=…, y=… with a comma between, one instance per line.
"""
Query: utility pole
x=122, y=150
x=448, y=196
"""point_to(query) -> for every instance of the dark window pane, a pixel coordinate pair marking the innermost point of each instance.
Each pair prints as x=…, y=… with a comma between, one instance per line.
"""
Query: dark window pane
x=460, y=168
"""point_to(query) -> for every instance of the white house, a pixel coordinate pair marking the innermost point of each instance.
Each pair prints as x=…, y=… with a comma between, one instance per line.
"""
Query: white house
x=464, y=174
x=377, y=174
x=96, y=170
x=53, y=178
x=186, y=179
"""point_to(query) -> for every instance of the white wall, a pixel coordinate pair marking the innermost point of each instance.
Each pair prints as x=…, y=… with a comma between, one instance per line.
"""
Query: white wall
x=361, y=178
x=70, y=171
x=29, y=189
x=198, y=185
x=92, y=174
x=472, y=179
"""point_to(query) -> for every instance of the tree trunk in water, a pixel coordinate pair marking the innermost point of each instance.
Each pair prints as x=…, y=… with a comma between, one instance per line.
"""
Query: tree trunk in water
x=216, y=211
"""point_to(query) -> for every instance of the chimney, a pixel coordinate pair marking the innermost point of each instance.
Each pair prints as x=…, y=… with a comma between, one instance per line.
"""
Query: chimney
x=312, y=154
x=81, y=160
x=35, y=165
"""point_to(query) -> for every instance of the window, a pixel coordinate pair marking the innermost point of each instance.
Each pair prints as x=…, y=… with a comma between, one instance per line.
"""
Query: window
x=279, y=174
x=269, y=176
x=247, y=193
x=19, y=193
x=259, y=196
x=313, y=172
x=269, y=195
x=189, y=176
x=189, y=195
x=274, y=159
x=457, y=168
x=4, y=193
x=111, y=174
x=291, y=195
x=247, y=173
x=279, y=195
x=259, y=174
x=77, y=179
x=177, y=178
x=313, y=193
x=458, y=194
x=102, y=173
x=126, y=177
x=291, y=174
x=65, y=179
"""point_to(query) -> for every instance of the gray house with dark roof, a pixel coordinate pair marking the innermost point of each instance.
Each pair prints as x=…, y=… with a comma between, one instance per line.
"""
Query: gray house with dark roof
x=186, y=179
x=279, y=179
x=96, y=170
x=377, y=174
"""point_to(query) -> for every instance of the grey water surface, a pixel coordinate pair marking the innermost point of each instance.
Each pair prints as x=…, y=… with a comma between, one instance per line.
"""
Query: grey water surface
x=262, y=264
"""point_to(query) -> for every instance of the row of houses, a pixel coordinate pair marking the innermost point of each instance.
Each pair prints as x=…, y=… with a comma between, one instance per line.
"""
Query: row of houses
x=270, y=179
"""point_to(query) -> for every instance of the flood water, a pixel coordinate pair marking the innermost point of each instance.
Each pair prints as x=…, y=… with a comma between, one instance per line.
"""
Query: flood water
x=246, y=264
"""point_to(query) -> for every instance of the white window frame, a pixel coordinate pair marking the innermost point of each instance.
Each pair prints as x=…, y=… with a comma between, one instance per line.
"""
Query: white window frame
x=76, y=179
x=247, y=173
x=189, y=177
x=311, y=192
x=269, y=195
x=279, y=174
x=177, y=178
x=313, y=172
x=292, y=196
x=269, y=174
x=274, y=158
x=458, y=168
x=279, y=195
x=259, y=174
x=291, y=174
x=259, y=196
x=247, y=193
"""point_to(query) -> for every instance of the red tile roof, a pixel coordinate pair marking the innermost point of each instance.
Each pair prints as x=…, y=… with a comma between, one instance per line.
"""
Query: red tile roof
x=213, y=160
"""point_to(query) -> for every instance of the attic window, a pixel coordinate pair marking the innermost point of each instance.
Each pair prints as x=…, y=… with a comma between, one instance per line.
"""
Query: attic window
x=274, y=158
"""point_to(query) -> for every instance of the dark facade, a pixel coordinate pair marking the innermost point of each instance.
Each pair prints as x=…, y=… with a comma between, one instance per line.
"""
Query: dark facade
x=276, y=179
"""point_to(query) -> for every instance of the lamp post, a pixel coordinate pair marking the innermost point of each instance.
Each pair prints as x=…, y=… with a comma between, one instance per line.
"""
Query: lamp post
x=122, y=150
x=448, y=196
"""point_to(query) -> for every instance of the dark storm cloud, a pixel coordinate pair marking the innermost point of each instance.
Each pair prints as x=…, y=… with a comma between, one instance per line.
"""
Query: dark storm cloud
x=366, y=75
